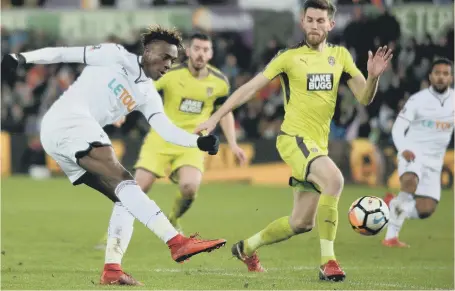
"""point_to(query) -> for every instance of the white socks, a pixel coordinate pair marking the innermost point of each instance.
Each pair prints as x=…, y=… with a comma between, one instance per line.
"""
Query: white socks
x=144, y=210
x=401, y=207
x=118, y=234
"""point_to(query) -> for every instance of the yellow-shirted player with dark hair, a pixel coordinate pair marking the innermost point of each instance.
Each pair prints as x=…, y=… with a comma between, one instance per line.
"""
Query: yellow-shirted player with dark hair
x=310, y=73
x=191, y=92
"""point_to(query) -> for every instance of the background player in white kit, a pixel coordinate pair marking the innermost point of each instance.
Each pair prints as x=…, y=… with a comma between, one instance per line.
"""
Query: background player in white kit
x=113, y=84
x=421, y=135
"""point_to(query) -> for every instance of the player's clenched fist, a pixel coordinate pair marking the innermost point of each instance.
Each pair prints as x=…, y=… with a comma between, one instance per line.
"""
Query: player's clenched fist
x=408, y=156
x=208, y=143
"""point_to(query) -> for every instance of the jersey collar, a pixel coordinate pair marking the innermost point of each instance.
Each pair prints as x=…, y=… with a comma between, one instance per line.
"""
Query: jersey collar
x=141, y=78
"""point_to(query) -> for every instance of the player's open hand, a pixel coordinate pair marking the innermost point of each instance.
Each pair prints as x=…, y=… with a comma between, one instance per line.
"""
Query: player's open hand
x=239, y=154
x=378, y=62
x=205, y=127
x=408, y=156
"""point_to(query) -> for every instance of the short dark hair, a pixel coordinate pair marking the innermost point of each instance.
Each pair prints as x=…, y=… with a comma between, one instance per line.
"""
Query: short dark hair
x=156, y=32
x=442, y=61
x=322, y=5
x=200, y=36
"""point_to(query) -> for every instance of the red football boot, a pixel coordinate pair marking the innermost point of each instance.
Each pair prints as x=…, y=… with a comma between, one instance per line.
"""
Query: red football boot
x=182, y=248
x=252, y=262
x=387, y=198
x=114, y=275
x=394, y=243
x=331, y=271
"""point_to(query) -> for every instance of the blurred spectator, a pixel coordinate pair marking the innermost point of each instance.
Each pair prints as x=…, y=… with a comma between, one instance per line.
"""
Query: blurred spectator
x=272, y=49
x=230, y=68
x=388, y=28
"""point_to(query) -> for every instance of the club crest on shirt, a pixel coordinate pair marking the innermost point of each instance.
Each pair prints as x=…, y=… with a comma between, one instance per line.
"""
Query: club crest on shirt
x=209, y=91
x=95, y=47
x=331, y=61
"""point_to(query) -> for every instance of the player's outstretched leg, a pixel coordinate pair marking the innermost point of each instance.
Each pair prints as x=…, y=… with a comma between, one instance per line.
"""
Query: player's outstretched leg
x=324, y=173
x=245, y=250
x=300, y=221
x=408, y=205
x=189, y=179
x=110, y=240
x=107, y=175
x=401, y=207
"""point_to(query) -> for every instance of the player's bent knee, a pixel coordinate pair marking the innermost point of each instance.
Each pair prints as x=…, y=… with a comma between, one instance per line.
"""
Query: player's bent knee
x=324, y=172
x=425, y=207
x=144, y=179
x=334, y=184
x=301, y=225
x=189, y=190
x=409, y=182
x=337, y=182
x=423, y=215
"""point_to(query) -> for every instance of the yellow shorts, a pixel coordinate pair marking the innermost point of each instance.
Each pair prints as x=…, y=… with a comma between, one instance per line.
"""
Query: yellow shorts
x=161, y=158
x=299, y=154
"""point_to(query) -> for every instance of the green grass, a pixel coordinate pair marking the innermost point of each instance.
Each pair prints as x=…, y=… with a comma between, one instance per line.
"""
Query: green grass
x=49, y=229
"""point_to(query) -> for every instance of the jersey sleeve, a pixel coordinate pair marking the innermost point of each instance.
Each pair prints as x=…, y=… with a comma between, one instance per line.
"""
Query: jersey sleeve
x=409, y=110
x=104, y=54
x=350, y=70
x=276, y=66
x=158, y=120
x=96, y=55
x=154, y=104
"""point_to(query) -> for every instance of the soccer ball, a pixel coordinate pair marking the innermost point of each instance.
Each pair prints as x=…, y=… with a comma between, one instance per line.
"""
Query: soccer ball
x=368, y=215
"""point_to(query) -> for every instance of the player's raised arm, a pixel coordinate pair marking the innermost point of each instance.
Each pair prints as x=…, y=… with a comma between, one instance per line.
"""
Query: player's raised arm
x=404, y=119
x=365, y=90
x=154, y=112
x=97, y=55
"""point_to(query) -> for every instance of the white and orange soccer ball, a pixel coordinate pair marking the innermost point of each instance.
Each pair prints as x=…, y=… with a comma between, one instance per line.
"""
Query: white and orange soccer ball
x=368, y=215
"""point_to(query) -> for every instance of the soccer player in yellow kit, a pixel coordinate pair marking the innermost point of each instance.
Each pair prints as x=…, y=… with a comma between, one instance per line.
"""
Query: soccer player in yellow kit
x=310, y=73
x=191, y=92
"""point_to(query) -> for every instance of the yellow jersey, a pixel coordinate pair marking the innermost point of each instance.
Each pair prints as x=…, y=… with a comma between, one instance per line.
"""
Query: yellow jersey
x=310, y=80
x=189, y=101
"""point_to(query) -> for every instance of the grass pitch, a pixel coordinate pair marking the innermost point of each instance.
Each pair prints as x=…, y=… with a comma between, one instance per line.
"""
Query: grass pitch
x=50, y=228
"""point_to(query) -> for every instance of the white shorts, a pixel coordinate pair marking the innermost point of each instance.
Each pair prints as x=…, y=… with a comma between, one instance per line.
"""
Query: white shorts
x=67, y=138
x=429, y=178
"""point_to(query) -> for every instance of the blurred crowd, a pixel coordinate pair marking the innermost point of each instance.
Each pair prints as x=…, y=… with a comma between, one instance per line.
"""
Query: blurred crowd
x=120, y=4
x=128, y=4
x=24, y=102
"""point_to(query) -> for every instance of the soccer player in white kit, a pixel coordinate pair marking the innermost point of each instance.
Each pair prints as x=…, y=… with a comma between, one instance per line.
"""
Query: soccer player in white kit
x=113, y=84
x=421, y=135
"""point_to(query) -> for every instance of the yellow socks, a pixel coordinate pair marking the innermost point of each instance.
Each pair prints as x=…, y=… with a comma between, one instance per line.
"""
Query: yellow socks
x=327, y=219
x=181, y=205
x=276, y=231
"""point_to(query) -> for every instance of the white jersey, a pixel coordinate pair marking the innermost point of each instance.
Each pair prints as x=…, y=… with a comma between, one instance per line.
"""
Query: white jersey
x=111, y=86
x=425, y=126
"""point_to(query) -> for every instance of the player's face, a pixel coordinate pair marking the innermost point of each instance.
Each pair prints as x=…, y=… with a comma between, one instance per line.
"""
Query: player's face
x=158, y=58
x=200, y=53
x=316, y=24
x=441, y=77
